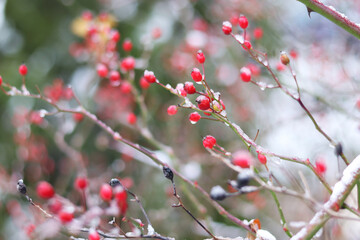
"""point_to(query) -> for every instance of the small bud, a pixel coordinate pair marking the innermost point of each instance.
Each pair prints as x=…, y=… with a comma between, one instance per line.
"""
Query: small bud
x=168, y=173
x=115, y=182
x=218, y=193
x=21, y=187
x=284, y=58
x=338, y=149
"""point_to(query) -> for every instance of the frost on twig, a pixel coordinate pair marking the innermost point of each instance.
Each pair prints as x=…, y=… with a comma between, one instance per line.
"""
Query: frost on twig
x=340, y=192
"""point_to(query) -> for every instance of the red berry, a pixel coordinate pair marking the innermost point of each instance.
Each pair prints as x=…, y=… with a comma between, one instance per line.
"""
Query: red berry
x=45, y=190
x=293, y=54
x=227, y=28
x=78, y=117
x=127, y=45
x=172, y=110
x=246, y=45
x=203, y=102
x=245, y=74
x=114, y=76
x=55, y=205
x=209, y=141
x=200, y=57
x=1, y=81
x=65, y=217
x=242, y=159
x=29, y=229
x=121, y=196
x=93, y=235
x=81, y=182
x=144, y=84
x=156, y=33
x=128, y=63
x=194, y=117
x=131, y=118
x=196, y=75
x=67, y=93
x=125, y=88
x=35, y=118
x=23, y=69
x=149, y=76
x=106, y=192
x=262, y=158
x=258, y=33
x=102, y=70
x=115, y=35
x=243, y=22
x=234, y=19
x=87, y=15
x=280, y=67
x=189, y=88
x=320, y=166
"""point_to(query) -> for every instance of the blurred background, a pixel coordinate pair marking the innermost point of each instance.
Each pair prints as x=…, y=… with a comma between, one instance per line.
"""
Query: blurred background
x=166, y=36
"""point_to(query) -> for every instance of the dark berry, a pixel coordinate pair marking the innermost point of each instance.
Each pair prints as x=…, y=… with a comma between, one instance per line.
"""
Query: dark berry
x=168, y=173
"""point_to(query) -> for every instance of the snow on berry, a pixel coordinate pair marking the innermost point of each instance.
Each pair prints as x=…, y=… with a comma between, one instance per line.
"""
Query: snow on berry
x=209, y=141
x=200, y=57
x=189, y=88
x=227, y=27
x=196, y=75
x=203, y=102
x=172, y=110
x=194, y=117
x=149, y=76
x=245, y=74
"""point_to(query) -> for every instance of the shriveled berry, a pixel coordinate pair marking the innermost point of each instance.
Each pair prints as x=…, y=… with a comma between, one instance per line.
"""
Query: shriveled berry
x=21, y=187
x=45, y=190
x=114, y=182
x=243, y=178
x=243, y=22
x=106, y=192
x=262, y=158
x=168, y=173
x=131, y=118
x=194, y=117
x=101, y=70
x=81, y=183
x=23, y=69
x=172, y=110
x=196, y=75
x=217, y=193
x=203, y=102
x=209, y=141
x=127, y=45
x=227, y=28
x=189, y=88
x=200, y=57
x=66, y=217
x=245, y=74
x=284, y=58
x=149, y=76
x=128, y=64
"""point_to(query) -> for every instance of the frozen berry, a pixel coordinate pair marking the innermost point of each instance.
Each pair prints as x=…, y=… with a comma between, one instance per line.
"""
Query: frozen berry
x=227, y=28
x=149, y=76
x=218, y=193
x=203, y=102
x=200, y=57
x=194, y=117
x=196, y=75
x=189, y=88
